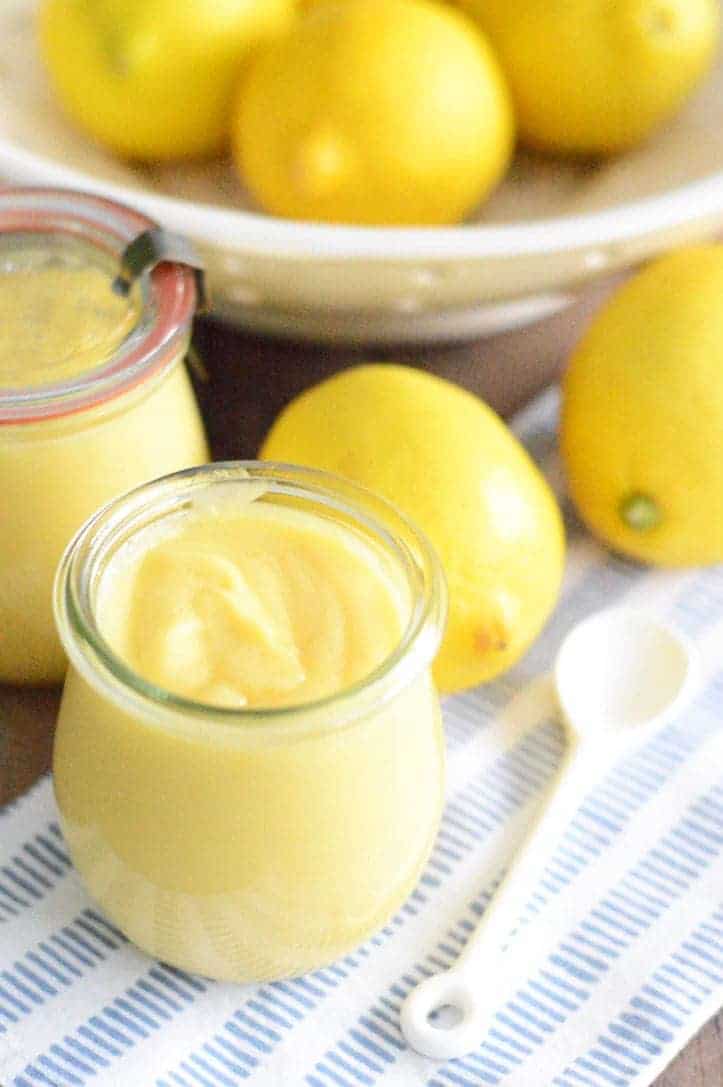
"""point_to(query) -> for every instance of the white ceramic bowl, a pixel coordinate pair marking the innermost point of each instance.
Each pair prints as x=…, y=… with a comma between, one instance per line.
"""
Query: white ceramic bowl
x=551, y=227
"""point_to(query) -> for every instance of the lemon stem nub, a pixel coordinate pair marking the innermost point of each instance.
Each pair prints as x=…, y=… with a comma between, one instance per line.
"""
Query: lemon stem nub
x=640, y=512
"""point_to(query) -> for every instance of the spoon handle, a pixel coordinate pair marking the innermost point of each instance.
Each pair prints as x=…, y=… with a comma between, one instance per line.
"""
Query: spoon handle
x=562, y=798
x=470, y=985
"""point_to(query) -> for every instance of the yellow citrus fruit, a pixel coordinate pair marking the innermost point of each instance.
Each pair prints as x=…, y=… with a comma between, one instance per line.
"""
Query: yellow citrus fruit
x=154, y=79
x=597, y=76
x=374, y=111
x=642, y=423
x=443, y=457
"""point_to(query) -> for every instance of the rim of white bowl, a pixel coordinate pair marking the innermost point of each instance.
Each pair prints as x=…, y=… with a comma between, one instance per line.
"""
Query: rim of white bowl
x=233, y=229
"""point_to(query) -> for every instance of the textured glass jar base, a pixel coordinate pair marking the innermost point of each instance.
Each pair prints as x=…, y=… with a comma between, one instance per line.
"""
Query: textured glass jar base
x=212, y=945
x=242, y=861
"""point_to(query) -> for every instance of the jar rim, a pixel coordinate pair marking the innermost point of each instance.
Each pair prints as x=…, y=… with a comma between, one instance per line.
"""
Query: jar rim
x=169, y=308
x=91, y=655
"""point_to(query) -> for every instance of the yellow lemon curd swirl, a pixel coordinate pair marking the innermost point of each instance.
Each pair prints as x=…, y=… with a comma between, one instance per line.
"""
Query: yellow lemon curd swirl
x=267, y=606
x=59, y=321
x=251, y=848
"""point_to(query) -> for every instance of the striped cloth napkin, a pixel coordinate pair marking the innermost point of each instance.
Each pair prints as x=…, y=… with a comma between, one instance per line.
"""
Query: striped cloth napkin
x=624, y=957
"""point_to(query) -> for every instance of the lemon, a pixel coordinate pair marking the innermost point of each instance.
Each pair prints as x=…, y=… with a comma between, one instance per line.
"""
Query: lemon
x=443, y=457
x=374, y=111
x=642, y=423
x=154, y=79
x=597, y=76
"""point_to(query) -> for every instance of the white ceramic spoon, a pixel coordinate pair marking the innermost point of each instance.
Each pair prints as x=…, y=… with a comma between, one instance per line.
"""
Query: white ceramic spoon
x=619, y=675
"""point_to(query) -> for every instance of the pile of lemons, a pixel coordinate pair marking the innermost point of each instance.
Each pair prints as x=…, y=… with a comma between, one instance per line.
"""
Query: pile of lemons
x=373, y=111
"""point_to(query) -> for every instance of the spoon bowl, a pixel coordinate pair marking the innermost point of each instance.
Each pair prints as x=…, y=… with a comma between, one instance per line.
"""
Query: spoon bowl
x=621, y=669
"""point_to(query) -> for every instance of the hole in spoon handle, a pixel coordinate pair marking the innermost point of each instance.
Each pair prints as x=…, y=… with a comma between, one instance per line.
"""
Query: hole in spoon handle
x=450, y=989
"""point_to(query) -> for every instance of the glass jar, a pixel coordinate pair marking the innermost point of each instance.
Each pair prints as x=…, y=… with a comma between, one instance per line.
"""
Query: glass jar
x=67, y=446
x=255, y=843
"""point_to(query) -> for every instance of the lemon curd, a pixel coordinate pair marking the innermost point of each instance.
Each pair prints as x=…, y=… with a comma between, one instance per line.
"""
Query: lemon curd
x=94, y=396
x=58, y=313
x=267, y=607
x=249, y=758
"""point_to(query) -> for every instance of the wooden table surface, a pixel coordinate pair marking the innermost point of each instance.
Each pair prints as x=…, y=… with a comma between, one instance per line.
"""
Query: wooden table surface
x=248, y=380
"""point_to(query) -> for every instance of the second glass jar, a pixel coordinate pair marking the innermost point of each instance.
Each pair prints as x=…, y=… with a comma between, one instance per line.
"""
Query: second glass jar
x=71, y=443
